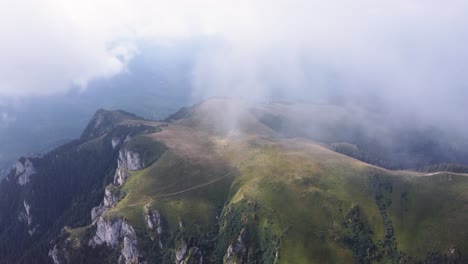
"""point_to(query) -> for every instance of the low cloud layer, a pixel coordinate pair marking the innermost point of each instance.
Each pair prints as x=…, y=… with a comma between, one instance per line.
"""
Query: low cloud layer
x=411, y=56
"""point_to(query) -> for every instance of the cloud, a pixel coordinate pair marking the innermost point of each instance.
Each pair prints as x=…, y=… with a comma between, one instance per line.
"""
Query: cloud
x=413, y=54
x=6, y=120
x=48, y=46
x=410, y=56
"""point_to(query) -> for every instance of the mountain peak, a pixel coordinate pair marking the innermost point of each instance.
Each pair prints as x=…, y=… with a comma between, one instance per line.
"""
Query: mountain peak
x=104, y=120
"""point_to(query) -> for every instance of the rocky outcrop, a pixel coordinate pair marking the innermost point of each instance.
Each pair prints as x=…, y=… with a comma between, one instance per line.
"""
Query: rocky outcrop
x=23, y=169
x=96, y=212
x=153, y=223
x=57, y=256
x=128, y=161
x=129, y=252
x=27, y=208
x=237, y=251
x=185, y=254
x=153, y=220
x=181, y=251
x=111, y=197
x=114, y=231
x=194, y=256
x=121, y=176
x=116, y=142
x=25, y=217
x=109, y=232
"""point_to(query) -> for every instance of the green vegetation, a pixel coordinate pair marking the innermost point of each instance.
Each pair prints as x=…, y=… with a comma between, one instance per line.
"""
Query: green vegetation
x=268, y=199
x=299, y=203
x=104, y=122
x=149, y=150
x=359, y=240
x=451, y=167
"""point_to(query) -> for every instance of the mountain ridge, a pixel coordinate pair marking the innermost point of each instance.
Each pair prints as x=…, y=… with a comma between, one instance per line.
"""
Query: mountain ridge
x=200, y=187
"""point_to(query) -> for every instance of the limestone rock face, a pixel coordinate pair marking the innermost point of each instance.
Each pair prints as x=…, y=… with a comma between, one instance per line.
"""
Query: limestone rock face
x=185, y=254
x=116, y=142
x=128, y=161
x=108, y=232
x=129, y=252
x=181, y=251
x=153, y=222
x=113, y=232
x=121, y=176
x=26, y=218
x=23, y=171
x=237, y=251
x=96, y=212
x=111, y=198
x=56, y=255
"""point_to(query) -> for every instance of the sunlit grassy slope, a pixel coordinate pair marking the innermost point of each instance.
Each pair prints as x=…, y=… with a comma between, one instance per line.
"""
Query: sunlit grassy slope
x=295, y=197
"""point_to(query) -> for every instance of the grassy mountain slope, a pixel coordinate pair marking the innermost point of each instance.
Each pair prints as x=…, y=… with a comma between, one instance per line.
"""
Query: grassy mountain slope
x=290, y=199
x=229, y=184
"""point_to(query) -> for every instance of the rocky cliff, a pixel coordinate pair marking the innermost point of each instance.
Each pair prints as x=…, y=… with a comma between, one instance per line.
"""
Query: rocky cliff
x=22, y=171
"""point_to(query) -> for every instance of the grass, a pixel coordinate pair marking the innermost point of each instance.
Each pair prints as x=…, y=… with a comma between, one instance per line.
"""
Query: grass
x=149, y=150
x=306, y=191
x=436, y=214
x=155, y=185
x=293, y=196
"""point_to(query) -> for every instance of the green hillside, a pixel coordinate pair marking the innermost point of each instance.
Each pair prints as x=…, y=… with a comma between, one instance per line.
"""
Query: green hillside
x=293, y=200
x=199, y=188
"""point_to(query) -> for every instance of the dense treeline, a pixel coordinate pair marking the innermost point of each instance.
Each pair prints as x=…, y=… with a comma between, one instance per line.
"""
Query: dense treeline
x=450, y=167
x=422, y=157
x=68, y=183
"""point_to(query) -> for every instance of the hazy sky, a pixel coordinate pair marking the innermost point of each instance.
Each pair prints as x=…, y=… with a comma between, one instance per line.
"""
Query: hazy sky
x=413, y=54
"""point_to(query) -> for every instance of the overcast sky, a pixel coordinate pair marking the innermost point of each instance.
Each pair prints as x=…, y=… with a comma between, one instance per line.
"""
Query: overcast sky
x=414, y=54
